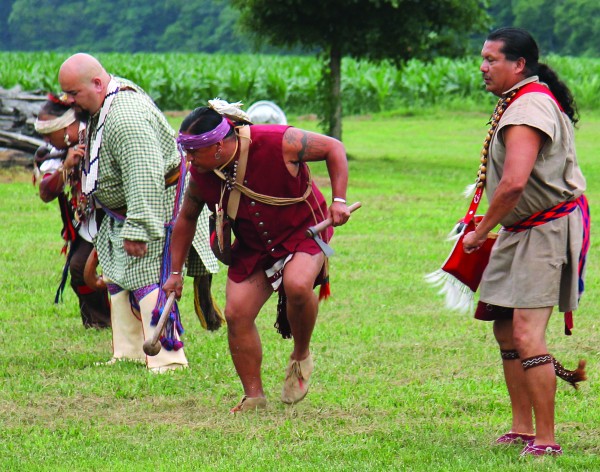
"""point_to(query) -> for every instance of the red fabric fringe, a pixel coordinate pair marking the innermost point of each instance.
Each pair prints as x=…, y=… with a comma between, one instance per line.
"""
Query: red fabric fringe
x=324, y=291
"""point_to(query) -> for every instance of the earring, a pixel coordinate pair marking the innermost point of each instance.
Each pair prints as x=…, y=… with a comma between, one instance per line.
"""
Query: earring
x=218, y=154
x=67, y=140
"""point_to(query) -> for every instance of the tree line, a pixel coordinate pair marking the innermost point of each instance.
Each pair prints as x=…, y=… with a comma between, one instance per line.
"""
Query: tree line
x=376, y=30
x=566, y=27
x=120, y=26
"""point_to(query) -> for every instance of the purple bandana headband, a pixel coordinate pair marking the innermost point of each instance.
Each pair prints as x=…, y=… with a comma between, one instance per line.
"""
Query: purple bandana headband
x=196, y=141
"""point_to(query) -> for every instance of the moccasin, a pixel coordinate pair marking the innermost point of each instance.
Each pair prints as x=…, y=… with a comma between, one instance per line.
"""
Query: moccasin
x=249, y=404
x=167, y=368
x=541, y=450
x=297, y=378
x=515, y=438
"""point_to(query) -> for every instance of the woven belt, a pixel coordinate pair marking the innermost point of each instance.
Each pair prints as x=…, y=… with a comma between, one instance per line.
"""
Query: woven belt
x=542, y=217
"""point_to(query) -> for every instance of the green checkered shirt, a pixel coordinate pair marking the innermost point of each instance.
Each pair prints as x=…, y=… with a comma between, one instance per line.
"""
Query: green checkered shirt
x=138, y=148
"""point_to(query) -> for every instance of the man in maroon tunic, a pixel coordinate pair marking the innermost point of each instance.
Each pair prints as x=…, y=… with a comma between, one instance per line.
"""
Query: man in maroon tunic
x=277, y=203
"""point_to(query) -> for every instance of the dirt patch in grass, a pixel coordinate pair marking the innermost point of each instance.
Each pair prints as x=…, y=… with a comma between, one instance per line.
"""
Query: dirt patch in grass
x=188, y=413
x=11, y=175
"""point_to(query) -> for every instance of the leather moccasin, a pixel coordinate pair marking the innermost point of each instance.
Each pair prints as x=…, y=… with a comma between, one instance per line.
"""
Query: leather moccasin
x=249, y=404
x=297, y=379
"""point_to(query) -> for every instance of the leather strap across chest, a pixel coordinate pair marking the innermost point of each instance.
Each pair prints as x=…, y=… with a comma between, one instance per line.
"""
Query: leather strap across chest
x=239, y=188
x=236, y=194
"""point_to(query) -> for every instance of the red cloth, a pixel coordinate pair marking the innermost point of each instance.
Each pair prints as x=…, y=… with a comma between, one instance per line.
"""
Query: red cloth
x=265, y=233
x=489, y=312
x=537, y=87
x=468, y=268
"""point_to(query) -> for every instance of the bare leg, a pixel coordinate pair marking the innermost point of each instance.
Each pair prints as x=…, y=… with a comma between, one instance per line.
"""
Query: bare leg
x=302, y=303
x=94, y=306
x=243, y=302
x=514, y=376
x=529, y=329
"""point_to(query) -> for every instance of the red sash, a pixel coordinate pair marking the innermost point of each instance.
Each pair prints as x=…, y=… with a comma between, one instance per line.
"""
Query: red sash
x=537, y=87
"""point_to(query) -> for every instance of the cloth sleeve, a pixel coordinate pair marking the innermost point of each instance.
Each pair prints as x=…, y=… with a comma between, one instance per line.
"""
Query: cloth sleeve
x=536, y=110
x=136, y=144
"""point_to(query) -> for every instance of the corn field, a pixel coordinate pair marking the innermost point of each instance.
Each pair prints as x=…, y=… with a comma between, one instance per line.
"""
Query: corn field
x=184, y=81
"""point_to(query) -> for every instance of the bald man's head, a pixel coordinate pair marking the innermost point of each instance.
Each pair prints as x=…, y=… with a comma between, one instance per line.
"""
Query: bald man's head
x=84, y=81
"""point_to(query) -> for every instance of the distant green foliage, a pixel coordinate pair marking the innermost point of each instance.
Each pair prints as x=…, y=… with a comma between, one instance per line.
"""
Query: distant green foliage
x=579, y=27
x=184, y=81
x=561, y=26
x=374, y=30
x=566, y=27
x=377, y=30
x=121, y=26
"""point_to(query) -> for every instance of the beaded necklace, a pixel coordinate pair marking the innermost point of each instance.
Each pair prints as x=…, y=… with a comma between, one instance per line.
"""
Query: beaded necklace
x=479, y=185
x=501, y=107
x=230, y=174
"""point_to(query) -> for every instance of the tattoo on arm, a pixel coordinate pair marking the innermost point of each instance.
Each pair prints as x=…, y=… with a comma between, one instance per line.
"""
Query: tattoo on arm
x=192, y=204
x=310, y=146
x=303, y=147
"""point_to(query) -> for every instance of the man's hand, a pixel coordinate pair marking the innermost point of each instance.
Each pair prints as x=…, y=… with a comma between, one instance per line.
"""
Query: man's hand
x=174, y=284
x=339, y=213
x=472, y=242
x=135, y=248
x=74, y=155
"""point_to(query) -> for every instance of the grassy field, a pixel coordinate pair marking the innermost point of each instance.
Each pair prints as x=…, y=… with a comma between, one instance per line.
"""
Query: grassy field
x=400, y=383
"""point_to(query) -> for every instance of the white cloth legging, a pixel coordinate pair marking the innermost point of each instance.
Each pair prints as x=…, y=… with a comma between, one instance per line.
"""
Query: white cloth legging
x=129, y=331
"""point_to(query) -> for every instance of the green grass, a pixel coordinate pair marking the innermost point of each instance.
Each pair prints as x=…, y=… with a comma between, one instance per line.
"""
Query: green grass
x=400, y=383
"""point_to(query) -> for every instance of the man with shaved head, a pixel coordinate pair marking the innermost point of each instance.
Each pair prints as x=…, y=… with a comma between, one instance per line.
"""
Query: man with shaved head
x=131, y=170
x=84, y=81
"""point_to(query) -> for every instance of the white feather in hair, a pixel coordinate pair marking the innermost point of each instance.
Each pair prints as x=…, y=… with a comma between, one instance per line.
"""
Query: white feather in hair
x=230, y=110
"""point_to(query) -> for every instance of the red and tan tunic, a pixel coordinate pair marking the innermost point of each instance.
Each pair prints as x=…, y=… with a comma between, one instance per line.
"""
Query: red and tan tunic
x=266, y=233
x=538, y=267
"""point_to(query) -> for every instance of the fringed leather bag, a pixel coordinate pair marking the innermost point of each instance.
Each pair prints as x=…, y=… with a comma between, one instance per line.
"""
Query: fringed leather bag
x=468, y=268
x=461, y=273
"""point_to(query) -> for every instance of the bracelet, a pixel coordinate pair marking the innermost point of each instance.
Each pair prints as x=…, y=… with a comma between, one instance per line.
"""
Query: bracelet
x=339, y=200
x=175, y=272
